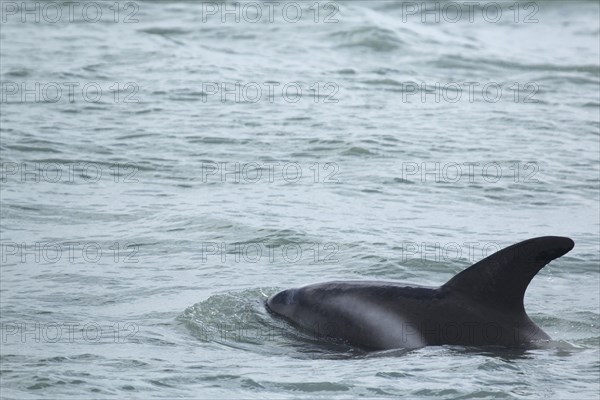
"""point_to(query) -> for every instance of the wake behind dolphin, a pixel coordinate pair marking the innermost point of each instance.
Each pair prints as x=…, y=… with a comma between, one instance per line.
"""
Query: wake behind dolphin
x=482, y=305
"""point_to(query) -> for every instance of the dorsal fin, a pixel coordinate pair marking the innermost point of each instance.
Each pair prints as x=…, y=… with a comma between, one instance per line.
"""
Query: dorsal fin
x=501, y=279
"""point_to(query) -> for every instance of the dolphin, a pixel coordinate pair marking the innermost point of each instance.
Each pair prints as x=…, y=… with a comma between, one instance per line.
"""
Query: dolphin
x=482, y=305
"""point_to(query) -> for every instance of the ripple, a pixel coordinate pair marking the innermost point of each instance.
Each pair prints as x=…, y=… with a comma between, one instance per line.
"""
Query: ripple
x=370, y=38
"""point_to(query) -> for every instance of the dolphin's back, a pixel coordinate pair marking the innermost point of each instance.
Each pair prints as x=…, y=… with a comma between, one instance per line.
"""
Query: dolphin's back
x=359, y=311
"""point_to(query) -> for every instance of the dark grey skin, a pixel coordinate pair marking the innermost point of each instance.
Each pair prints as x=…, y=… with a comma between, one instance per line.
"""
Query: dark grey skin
x=482, y=305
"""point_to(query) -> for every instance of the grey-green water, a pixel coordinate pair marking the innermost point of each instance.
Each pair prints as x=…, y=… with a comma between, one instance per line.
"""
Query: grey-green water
x=144, y=225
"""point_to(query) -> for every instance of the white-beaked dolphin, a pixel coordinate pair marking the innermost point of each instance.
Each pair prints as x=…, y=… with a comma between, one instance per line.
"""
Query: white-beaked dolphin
x=482, y=305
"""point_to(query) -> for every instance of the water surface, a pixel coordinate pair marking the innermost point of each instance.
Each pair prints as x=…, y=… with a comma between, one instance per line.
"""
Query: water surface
x=144, y=226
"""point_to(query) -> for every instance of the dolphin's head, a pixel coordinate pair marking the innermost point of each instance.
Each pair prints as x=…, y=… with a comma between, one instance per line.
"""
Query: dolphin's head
x=284, y=303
